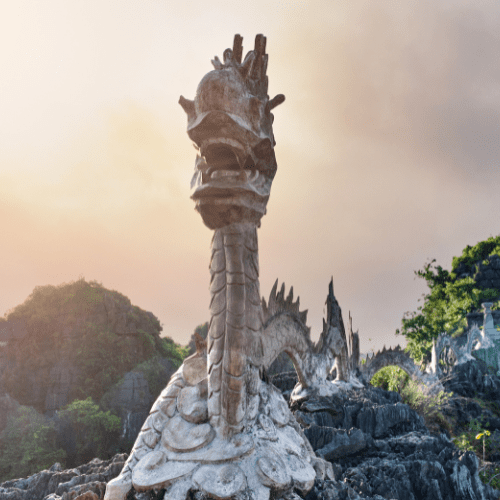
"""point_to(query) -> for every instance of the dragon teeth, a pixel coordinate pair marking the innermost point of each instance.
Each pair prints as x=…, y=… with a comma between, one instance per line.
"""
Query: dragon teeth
x=244, y=175
x=218, y=174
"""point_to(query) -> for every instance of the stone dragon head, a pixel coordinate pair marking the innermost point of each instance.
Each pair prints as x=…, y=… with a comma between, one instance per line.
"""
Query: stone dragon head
x=230, y=123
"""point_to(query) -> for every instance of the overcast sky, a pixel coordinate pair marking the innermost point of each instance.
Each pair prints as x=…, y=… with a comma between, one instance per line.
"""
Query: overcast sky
x=387, y=148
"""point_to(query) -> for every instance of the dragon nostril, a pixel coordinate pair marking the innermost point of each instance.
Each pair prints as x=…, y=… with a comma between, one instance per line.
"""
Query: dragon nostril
x=249, y=163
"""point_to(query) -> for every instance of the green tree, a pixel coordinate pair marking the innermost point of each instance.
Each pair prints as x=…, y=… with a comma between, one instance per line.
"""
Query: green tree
x=445, y=307
x=28, y=445
x=92, y=429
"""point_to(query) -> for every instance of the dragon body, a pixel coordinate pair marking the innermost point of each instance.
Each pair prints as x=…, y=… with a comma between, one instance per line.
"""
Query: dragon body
x=218, y=427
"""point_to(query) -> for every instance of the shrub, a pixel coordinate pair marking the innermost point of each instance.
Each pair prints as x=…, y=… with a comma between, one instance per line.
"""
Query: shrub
x=98, y=369
x=429, y=406
x=28, y=445
x=390, y=378
x=91, y=430
x=175, y=352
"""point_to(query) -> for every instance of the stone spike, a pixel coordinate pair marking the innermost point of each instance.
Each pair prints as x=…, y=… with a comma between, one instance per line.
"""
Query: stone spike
x=265, y=310
x=272, y=297
x=187, y=105
x=303, y=317
x=281, y=295
x=276, y=101
x=260, y=50
x=297, y=305
x=246, y=67
x=289, y=298
x=238, y=48
x=227, y=56
x=216, y=63
x=265, y=60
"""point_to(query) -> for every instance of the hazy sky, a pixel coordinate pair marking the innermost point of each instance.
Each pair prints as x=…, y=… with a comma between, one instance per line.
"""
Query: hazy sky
x=387, y=148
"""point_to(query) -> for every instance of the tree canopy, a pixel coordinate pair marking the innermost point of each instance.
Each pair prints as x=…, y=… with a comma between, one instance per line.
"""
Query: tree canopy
x=449, y=300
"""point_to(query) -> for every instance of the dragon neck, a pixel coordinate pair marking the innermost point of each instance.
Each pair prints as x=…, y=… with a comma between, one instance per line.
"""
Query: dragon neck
x=235, y=328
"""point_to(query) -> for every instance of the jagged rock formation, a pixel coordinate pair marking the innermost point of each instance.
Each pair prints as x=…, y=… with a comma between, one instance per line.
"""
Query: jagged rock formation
x=86, y=482
x=378, y=448
x=459, y=350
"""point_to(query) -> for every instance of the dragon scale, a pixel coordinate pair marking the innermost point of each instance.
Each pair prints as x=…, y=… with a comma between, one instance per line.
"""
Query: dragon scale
x=235, y=325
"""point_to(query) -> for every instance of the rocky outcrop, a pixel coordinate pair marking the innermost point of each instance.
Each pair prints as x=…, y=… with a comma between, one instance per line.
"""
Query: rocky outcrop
x=131, y=400
x=473, y=379
x=8, y=406
x=86, y=482
x=62, y=379
x=381, y=449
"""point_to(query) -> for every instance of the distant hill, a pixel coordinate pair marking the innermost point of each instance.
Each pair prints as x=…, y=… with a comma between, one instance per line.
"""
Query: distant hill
x=76, y=340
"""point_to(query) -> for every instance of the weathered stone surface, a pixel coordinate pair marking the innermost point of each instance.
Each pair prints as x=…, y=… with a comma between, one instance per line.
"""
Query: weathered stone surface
x=220, y=481
x=8, y=406
x=380, y=421
x=58, y=484
x=194, y=369
x=131, y=400
x=341, y=443
x=154, y=471
x=62, y=380
x=272, y=472
x=182, y=436
x=192, y=403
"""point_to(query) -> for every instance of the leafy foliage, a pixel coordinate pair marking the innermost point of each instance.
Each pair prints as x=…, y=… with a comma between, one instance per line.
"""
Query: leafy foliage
x=491, y=476
x=390, y=378
x=174, y=351
x=479, y=252
x=28, y=445
x=92, y=429
x=444, y=309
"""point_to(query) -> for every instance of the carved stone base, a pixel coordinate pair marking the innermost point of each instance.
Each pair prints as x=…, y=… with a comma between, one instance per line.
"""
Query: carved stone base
x=181, y=454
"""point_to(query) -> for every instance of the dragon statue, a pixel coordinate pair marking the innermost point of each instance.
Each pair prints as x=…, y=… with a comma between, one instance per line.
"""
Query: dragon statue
x=219, y=428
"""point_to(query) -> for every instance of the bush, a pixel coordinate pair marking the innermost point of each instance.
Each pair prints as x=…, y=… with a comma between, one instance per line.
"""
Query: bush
x=390, y=378
x=98, y=369
x=92, y=431
x=430, y=407
x=28, y=445
x=175, y=352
